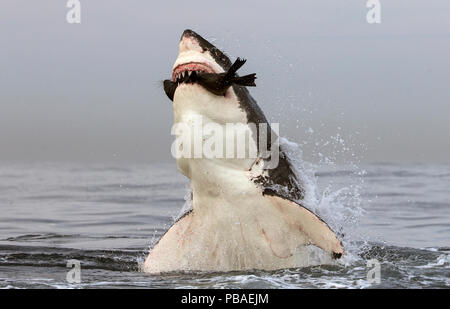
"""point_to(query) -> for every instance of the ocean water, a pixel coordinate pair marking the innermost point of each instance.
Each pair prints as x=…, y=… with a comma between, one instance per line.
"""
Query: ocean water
x=108, y=215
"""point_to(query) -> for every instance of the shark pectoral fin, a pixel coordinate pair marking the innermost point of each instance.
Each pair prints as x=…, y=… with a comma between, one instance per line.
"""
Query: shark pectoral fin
x=168, y=251
x=317, y=231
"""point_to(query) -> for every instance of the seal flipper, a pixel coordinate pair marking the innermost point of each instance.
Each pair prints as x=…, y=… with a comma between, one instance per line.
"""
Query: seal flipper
x=314, y=228
x=234, y=68
x=218, y=83
x=247, y=80
x=168, y=245
x=169, y=88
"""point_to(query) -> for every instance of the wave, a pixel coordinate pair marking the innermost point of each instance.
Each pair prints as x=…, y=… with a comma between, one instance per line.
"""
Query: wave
x=400, y=267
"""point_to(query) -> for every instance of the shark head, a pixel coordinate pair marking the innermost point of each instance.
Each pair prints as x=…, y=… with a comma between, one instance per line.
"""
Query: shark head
x=236, y=106
x=197, y=55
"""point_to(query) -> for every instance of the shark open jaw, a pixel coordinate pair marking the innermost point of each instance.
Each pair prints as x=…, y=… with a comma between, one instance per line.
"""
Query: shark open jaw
x=181, y=70
x=201, y=63
x=206, y=76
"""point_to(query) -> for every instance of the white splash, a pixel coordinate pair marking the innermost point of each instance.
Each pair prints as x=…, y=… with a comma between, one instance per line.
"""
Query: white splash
x=339, y=207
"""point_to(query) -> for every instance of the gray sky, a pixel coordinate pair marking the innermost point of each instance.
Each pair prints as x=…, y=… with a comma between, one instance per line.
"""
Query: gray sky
x=91, y=92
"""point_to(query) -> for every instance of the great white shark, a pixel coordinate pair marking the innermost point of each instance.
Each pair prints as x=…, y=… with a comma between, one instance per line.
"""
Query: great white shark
x=245, y=213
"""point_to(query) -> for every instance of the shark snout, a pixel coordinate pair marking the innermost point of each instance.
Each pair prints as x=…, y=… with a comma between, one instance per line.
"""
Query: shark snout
x=190, y=42
x=189, y=33
x=194, y=49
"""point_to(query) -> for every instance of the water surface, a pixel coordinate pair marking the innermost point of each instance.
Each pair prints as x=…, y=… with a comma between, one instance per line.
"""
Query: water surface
x=107, y=216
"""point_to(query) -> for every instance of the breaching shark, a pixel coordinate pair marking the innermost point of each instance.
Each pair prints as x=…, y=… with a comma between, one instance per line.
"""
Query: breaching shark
x=245, y=214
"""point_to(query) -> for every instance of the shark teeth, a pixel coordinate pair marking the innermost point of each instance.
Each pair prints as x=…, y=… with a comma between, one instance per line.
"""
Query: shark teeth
x=181, y=70
x=184, y=77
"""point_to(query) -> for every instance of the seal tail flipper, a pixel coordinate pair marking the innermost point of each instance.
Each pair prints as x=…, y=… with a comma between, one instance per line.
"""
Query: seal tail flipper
x=306, y=222
x=235, y=67
x=247, y=80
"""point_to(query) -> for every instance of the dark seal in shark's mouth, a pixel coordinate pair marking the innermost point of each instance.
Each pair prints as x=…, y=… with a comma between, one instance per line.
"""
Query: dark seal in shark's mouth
x=204, y=75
